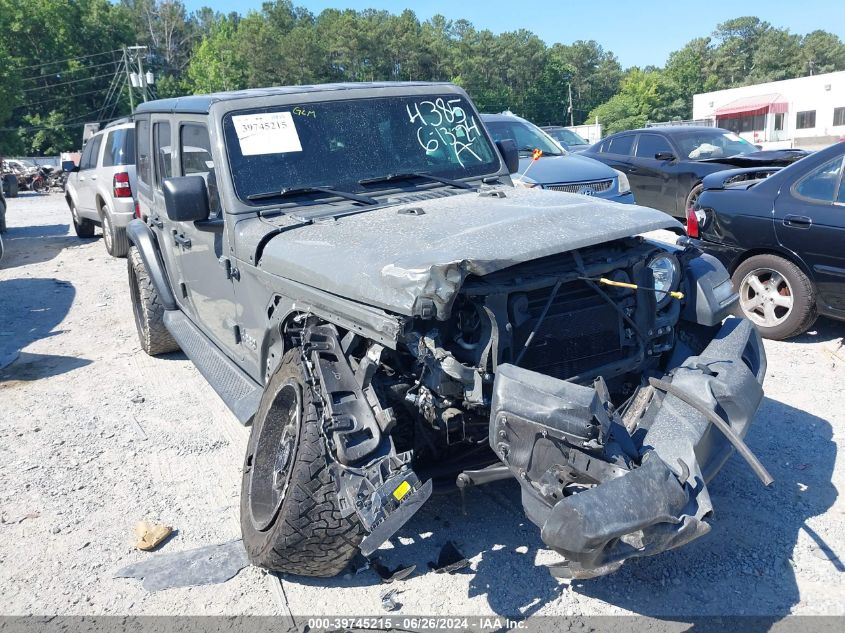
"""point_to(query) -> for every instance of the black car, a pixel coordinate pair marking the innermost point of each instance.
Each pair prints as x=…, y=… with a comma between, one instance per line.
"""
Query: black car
x=568, y=139
x=666, y=165
x=781, y=238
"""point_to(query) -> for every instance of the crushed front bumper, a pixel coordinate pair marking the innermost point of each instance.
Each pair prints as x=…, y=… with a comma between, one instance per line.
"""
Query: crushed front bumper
x=605, y=487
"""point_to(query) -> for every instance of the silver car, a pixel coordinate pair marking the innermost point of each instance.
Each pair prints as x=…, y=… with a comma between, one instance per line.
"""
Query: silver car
x=100, y=190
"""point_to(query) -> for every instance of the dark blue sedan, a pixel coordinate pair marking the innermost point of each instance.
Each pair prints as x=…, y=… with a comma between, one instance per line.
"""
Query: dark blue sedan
x=782, y=238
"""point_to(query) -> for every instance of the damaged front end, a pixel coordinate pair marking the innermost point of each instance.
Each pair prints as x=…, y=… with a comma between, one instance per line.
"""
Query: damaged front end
x=611, y=404
x=605, y=485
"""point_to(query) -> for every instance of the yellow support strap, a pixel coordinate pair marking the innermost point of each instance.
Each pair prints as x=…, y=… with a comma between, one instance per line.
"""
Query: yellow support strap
x=624, y=284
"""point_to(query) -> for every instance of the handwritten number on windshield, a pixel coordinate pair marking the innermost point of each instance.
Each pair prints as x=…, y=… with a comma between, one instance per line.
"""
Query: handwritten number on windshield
x=441, y=123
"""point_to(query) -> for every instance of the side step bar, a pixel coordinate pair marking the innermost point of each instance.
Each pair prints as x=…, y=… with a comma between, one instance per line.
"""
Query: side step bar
x=240, y=392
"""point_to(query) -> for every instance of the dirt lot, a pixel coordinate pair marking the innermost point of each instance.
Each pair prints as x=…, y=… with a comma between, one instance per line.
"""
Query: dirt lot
x=95, y=435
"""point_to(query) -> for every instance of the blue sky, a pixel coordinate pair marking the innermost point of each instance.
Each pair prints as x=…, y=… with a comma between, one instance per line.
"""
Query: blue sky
x=640, y=32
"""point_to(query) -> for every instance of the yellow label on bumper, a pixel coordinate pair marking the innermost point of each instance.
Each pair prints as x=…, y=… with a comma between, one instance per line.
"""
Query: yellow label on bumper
x=402, y=490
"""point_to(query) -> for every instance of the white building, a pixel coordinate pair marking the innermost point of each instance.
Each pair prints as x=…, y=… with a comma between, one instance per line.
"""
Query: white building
x=808, y=112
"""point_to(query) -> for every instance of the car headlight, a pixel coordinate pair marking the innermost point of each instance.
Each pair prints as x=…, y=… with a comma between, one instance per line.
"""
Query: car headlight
x=667, y=276
x=526, y=183
x=624, y=185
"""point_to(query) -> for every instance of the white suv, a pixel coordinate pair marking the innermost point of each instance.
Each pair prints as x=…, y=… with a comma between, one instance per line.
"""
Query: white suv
x=99, y=191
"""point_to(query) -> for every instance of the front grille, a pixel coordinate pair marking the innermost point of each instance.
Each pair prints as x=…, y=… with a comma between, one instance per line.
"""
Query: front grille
x=581, y=330
x=598, y=186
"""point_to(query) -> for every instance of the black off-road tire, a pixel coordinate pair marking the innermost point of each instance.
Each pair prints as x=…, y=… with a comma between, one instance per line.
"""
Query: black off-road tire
x=2, y=216
x=303, y=533
x=115, y=239
x=148, y=309
x=83, y=226
x=803, y=312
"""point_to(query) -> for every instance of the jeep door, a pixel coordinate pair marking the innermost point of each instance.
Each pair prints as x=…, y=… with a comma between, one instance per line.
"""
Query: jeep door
x=199, y=245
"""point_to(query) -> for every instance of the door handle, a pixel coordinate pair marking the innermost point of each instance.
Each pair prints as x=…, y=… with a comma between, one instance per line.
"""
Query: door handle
x=632, y=170
x=93, y=178
x=798, y=221
x=181, y=240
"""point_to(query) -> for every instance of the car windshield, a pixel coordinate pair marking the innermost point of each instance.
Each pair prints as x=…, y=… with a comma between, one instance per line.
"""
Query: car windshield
x=712, y=144
x=527, y=136
x=339, y=143
x=567, y=137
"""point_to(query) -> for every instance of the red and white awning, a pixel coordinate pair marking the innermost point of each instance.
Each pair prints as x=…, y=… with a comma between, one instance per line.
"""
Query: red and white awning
x=751, y=106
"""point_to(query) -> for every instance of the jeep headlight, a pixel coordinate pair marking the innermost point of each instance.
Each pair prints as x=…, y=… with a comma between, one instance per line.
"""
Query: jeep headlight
x=624, y=185
x=667, y=276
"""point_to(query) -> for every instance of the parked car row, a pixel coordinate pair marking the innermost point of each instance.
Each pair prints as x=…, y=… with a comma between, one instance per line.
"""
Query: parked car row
x=666, y=168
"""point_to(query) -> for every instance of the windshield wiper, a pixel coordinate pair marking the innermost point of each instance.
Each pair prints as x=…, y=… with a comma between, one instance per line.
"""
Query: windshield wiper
x=295, y=191
x=408, y=175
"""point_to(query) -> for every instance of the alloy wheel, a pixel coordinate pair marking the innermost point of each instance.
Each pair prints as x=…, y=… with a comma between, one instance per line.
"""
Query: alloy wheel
x=766, y=297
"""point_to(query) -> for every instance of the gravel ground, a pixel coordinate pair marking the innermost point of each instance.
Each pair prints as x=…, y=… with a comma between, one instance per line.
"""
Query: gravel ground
x=95, y=435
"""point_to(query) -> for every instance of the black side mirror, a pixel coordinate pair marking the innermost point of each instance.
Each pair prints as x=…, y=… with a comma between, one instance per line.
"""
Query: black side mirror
x=69, y=166
x=510, y=154
x=664, y=156
x=186, y=198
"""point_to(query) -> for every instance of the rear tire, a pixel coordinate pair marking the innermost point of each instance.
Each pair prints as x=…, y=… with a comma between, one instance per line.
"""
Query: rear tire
x=290, y=515
x=2, y=216
x=84, y=227
x=692, y=197
x=148, y=309
x=117, y=244
x=776, y=296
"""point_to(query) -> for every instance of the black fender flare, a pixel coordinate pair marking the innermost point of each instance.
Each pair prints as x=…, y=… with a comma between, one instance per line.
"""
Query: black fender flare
x=142, y=238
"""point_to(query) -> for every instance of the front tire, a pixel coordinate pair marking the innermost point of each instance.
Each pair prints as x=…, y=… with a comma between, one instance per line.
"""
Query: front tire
x=148, y=309
x=115, y=239
x=290, y=515
x=776, y=296
x=83, y=227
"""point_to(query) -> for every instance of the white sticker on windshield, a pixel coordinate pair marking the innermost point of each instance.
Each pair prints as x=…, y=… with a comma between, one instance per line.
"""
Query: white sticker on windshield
x=268, y=133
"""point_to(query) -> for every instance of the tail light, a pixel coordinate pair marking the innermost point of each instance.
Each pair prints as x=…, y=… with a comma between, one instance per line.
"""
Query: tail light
x=692, y=223
x=121, y=186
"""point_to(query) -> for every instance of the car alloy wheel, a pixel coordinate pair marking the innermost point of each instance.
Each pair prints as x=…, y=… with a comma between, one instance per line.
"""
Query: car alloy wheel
x=274, y=456
x=766, y=297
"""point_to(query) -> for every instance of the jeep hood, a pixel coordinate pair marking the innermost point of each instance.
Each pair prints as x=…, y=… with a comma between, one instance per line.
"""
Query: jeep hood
x=413, y=257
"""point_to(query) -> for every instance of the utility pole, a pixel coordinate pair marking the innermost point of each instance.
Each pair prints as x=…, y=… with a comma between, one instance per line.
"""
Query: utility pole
x=571, y=111
x=128, y=80
x=139, y=79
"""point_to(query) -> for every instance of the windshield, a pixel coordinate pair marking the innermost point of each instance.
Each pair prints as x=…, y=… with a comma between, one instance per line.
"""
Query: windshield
x=567, y=137
x=714, y=143
x=527, y=136
x=339, y=143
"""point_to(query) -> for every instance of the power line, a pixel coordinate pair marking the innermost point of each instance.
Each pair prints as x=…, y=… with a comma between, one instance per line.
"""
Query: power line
x=75, y=81
x=113, y=62
x=69, y=59
x=73, y=96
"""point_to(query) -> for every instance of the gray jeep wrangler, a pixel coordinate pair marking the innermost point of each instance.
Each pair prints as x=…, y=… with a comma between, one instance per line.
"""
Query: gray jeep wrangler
x=351, y=269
